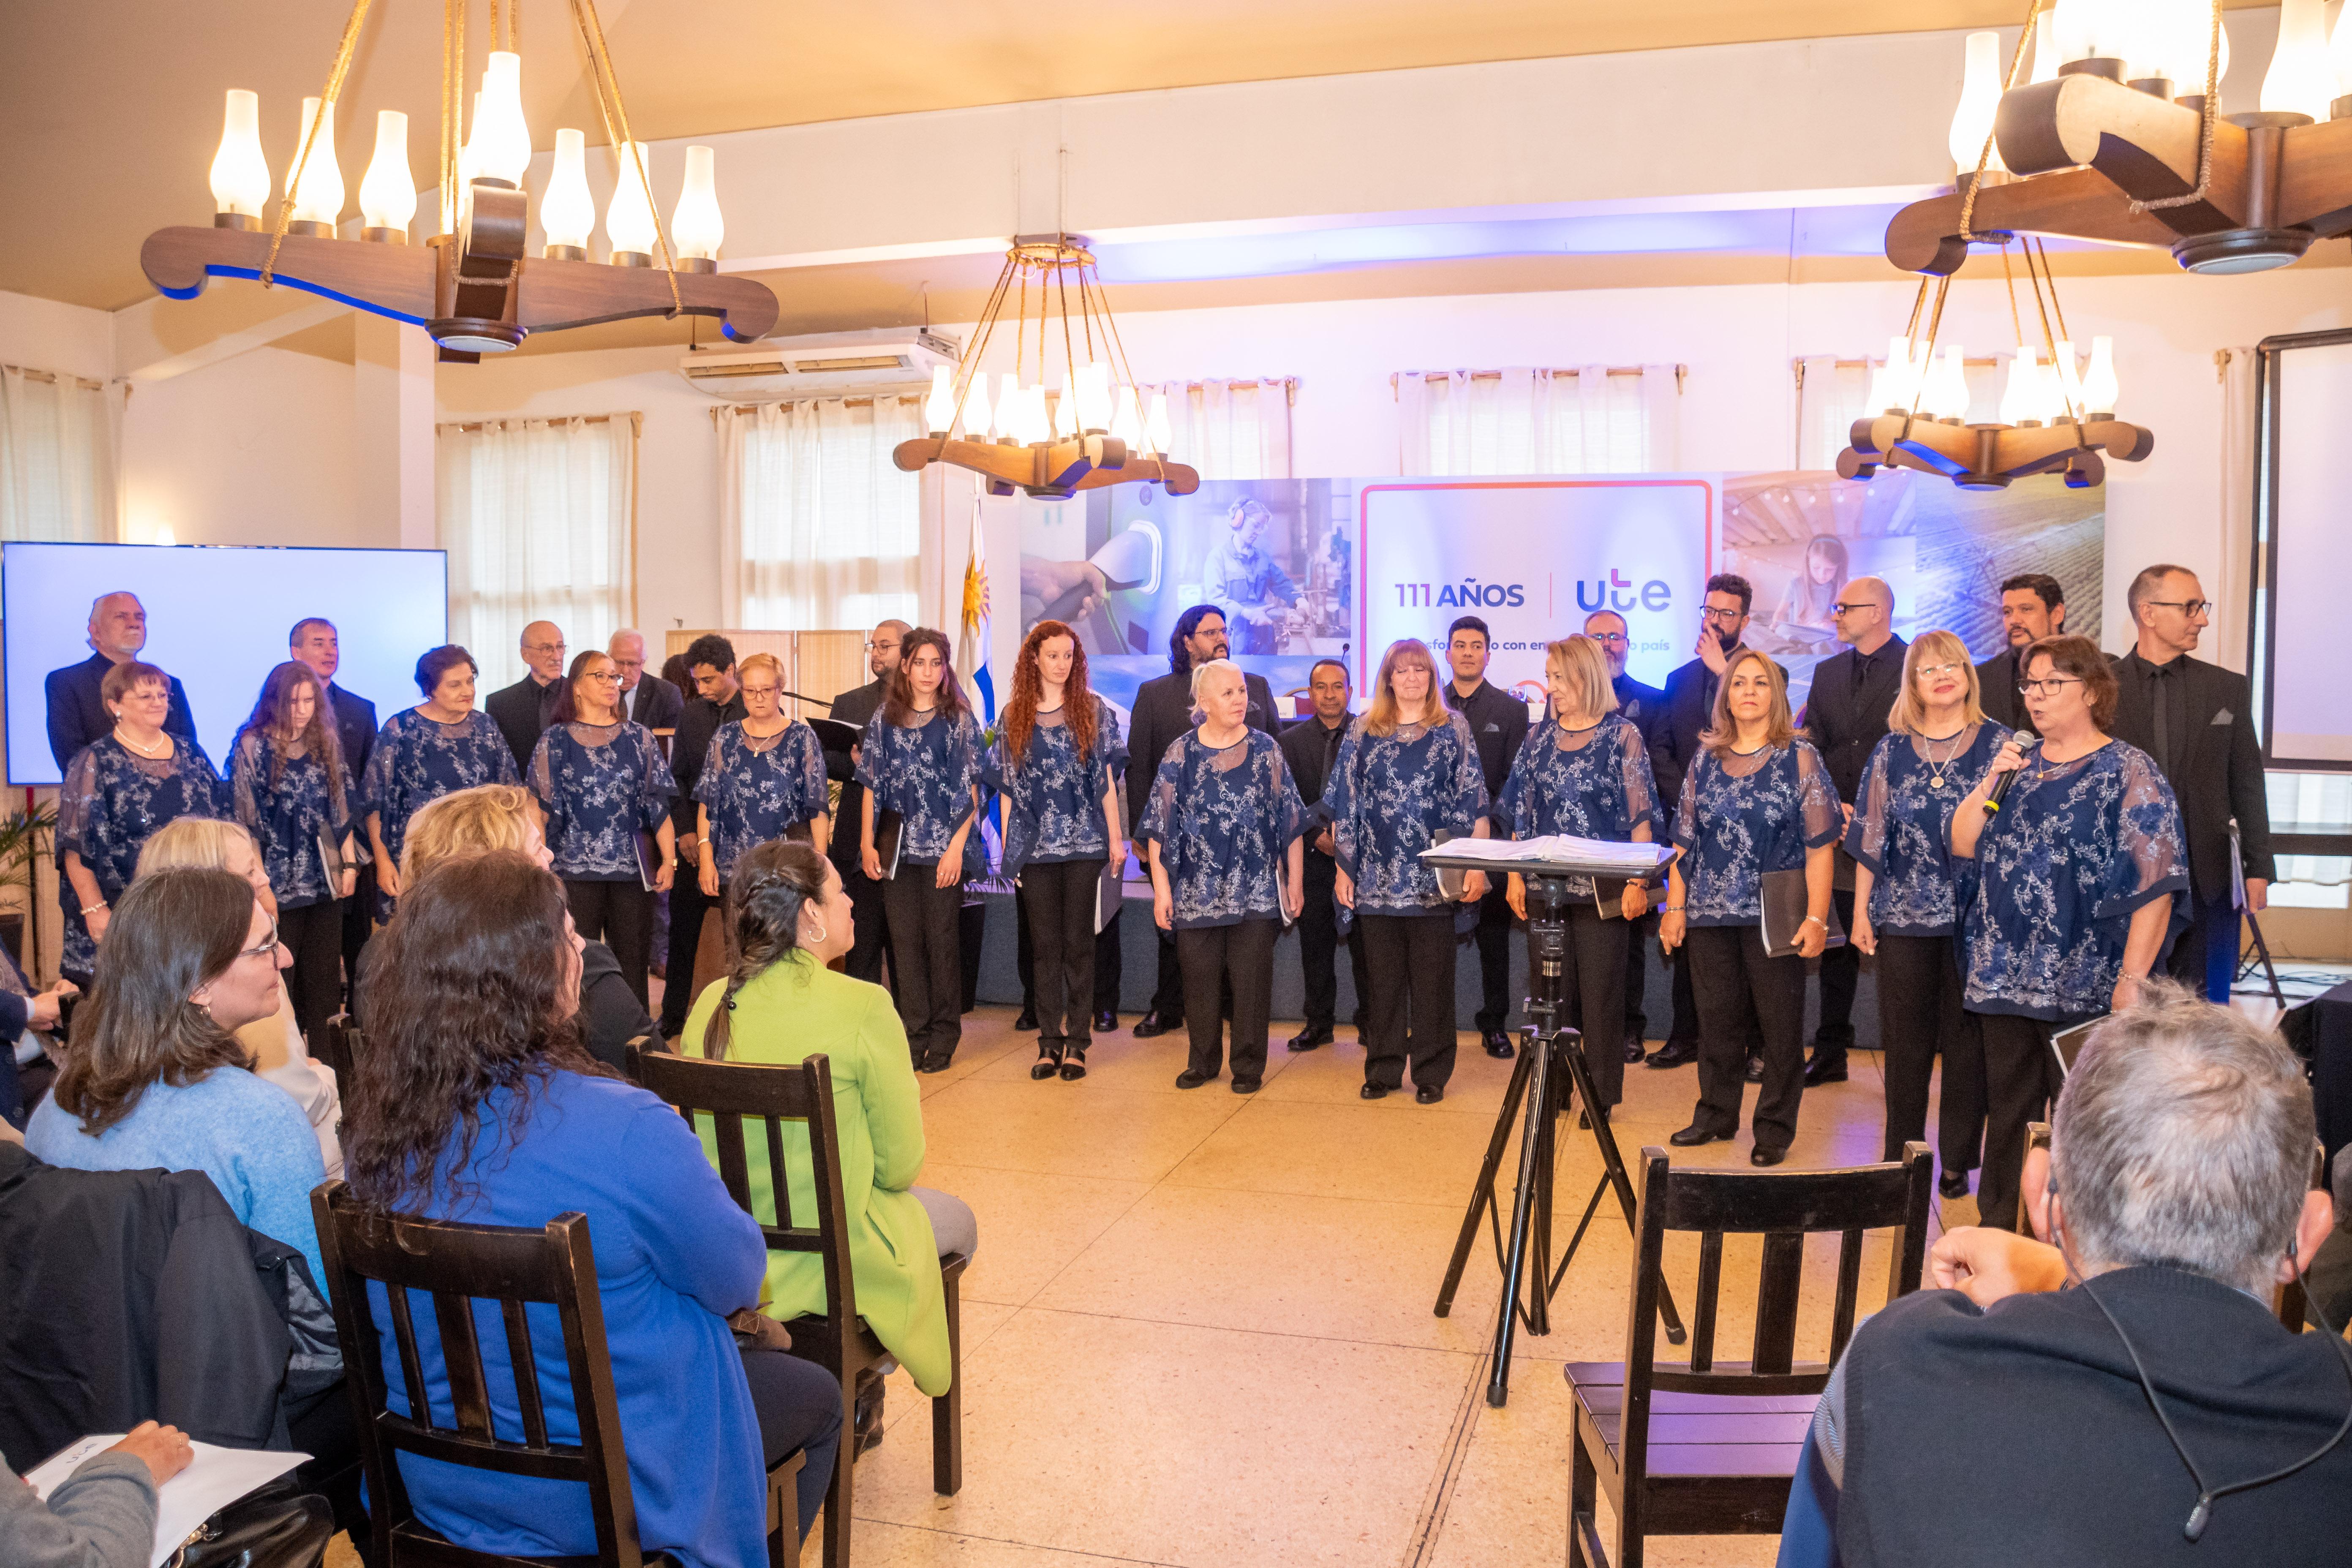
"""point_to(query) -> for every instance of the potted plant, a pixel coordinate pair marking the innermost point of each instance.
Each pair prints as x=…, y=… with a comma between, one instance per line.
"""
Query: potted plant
x=25, y=837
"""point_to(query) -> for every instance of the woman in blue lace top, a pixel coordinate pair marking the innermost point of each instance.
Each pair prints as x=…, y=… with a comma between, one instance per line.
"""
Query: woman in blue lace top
x=1408, y=770
x=601, y=781
x=287, y=784
x=921, y=760
x=1223, y=834
x=2067, y=894
x=117, y=790
x=1758, y=801
x=1057, y=761
x=1938, y=745
x=762, y=777
x=436, y=748
x=1588, y=773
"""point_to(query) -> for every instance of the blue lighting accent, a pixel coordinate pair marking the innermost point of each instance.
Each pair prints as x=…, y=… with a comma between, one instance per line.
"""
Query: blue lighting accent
x=221, y=270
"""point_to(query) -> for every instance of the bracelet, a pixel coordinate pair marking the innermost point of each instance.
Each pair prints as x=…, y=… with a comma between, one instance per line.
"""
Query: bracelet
x=90, y=909
x=1670, y=909
x=1813, y=921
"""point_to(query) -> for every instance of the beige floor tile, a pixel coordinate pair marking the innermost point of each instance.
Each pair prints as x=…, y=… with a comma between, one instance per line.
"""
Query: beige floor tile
x=1343, y=1150
x=1091, y=1132
x=1124, y=1064
x=878, y=1545
x=1032, y=1227
x=901, y=1399
x=988, y=1038
x=1334, y=1074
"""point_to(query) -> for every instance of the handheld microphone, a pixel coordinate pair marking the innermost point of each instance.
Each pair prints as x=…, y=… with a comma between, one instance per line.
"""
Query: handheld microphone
x=2000, y=785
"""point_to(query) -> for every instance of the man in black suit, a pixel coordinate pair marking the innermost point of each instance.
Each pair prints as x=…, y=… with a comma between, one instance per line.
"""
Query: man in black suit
x=1311, y=746
x=855, y=708
x=1499, y=727
x=314, y=641
x=1163, y=711
x=1645, y=707
x=655, y=703
x=2033, y=606
x=117, y=632
x=718, y=701
x=1846, y=717
x=2197, y=720
x=525, y=709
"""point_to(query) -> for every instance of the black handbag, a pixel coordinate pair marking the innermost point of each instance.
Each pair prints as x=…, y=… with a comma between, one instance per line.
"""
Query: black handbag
x=275, y=1526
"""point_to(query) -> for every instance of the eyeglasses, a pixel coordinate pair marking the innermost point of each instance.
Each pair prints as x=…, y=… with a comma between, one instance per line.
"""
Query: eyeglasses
x=751, y=690
x=1849, y=609
x=878, y=645
x=1711, y=614
x=1936, y=671
x=543, y=647
x=2047, y=688
x=267, y=950
x=1607, y=636
x=2193, y=608
x=612, y=675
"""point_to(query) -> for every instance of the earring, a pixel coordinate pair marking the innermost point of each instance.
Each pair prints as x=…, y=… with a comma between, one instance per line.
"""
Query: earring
x=818, y=936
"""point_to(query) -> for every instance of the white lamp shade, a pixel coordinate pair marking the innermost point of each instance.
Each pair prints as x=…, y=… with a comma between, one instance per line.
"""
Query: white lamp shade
x=2045, y=50
x=2020, y=396
x=1065, y=414
x=1945, y=395
x=1157, y=426
x=2301, y=77
x=976, y=411
x=388, y=193
x=2340, y=55
x=1980, y=101
x=1127, y=424
x=2072, y=26
x=1036, y=423
x=1008, y=407
x=501, y=141
x=939, y=407
x=695, y=226
x=319, y=197
x=2070, y=380
x=240, y=175
x=1092, y=385
x=2100, y=388
x=469, y=156
x=568, y=213
x=629, y=216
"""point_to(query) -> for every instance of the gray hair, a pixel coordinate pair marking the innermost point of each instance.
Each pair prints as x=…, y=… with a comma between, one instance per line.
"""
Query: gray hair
x=1202, y=669
x=2184, y=1136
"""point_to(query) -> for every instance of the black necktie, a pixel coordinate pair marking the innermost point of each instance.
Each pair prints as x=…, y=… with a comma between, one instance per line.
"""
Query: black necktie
x=2159, y=693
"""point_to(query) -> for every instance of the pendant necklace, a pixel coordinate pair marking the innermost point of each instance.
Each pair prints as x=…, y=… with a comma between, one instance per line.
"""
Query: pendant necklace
x=1937, y=765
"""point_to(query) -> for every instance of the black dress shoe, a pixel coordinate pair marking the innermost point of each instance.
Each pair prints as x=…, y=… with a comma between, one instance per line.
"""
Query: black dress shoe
x=1308, y=1038
x=1633, y=1049
x=1428, y=1094
x=1755, y=1073
x=1073, y=1063
x=1106, y=1022
x=1498, y=1044
x=1825, y=1068
x=1188, y=1078
x=1374, y=1091
x=1027, y=1019
x=1953, y=1183
x=1048, y=1063
x=937, y=1061
x=1694, y=1135
x=1152, y=1023
x=1248, y=1085
x=1672, y=1056
x=1764, y=1155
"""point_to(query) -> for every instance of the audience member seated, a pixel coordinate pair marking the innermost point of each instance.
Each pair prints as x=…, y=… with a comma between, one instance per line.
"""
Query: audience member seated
x=22, y=1008
x=474, y=1101
x=497, y=816
x=2179, y=1177
x=788, y=918
x=102, y=1515
x=280, y=1053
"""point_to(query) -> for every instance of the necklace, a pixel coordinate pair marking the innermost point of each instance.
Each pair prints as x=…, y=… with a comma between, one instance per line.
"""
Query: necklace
x=1935, y=764
x=161, y=749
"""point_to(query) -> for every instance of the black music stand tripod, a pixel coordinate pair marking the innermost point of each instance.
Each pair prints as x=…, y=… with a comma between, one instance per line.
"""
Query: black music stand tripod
x=1550, y=1072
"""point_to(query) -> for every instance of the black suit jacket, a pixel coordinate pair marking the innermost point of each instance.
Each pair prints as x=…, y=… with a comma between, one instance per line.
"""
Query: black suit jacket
x=688, y=748
x=1846, y=722
x=78, y=715
x=523, y=711
x=355, y=728
x=2220, y=774
x=857, y=708
x=1163, y=710
x=655, y=703
x=1499, y=727
x=1645, y=707
x=1687, y=710
x=1997, y=691
x=1310, y=747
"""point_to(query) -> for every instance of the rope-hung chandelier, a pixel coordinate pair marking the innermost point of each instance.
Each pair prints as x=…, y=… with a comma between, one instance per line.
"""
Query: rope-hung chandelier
x=471, y=286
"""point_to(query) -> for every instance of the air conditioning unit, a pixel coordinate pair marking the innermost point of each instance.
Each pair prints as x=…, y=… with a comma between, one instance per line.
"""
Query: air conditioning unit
x=827, y=364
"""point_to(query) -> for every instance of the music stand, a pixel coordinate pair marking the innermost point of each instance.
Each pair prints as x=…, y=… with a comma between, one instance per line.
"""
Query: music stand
x=1550, y=1071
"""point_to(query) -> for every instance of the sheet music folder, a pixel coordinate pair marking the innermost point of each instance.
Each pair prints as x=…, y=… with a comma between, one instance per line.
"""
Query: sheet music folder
x=1452, y=855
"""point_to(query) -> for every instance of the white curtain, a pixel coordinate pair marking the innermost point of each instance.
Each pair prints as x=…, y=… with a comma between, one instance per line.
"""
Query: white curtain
x=1832, y=396
x=2233, y=586
x=59, y=439
x=819, y=530
x=1528, y=421
x=1229, y=429
x=538, y=519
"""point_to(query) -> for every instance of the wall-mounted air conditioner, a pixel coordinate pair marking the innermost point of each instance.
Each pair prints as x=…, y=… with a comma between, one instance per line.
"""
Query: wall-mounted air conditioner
x=826, y=364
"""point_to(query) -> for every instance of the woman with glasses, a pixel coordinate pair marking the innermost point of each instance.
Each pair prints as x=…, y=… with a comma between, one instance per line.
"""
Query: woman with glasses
x=763, y=778
x=601, y=782
x=2068, y=891
x=289, y=788
x=440, y=746
x=1938, y=745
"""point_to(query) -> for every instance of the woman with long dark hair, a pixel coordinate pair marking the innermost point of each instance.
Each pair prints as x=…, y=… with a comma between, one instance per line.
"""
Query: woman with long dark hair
x=287, y=784
x=922, y=760
x=443, y=745
x=1057, y=761
x=474, y=1102
x=762, y=777
x=599, y=778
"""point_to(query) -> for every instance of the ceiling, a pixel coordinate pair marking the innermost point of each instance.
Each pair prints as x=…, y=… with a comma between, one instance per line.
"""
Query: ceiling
x=110, y=110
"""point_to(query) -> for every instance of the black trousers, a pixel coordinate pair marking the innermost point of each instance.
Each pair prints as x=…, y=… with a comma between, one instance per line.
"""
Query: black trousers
x=1058, y=904
x=1494, y=936
x=621, y=916
x=1743, y=997
x=1411, y=1015
x=1638, y=936
x=1168, y=996
x=2021, y=1081
x=1106, y=960
x=359, y=922
x=798, y=1405
x=2192, y=962
x=1682, y=1029
x=1841, y=976
x=1592, y=981
x=1920, y=1019
x=872, y=928
x=1111, y=964
x=1238, y=958
x=687, y=906
x=1318, y=945
x=926, y=953
x=313, y=936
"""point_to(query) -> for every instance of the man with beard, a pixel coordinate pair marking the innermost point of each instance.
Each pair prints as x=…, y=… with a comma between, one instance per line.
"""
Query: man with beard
x=1498, y=726
x=1645, y=707
x=854, y=707
x=118, y=631
x=2033, y=606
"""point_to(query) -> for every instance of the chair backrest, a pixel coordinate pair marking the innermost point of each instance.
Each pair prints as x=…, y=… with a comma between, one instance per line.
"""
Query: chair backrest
x=2037, y=1136
x=732, y=1093
x=339, y=1045
x=1784, y=1207
x=456, y=1266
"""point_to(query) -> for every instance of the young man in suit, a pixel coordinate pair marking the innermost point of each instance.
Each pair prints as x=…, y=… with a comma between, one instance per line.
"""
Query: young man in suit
x=718, y=701
x=1498, y=726
x=1645, y=707
x=1846, y=718
x=854, y=708
x=655, y=703
x=314, y=641
x=2197, y=720
x=1311, y=746
x=118, y=631
x=525, y=709
x=2033, y=606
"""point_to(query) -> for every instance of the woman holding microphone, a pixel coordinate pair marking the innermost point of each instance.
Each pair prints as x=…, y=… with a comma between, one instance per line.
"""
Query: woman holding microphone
x=1222, y=833
x=1057, y=760
x=1587, y=773
x=1939, y=744
x=1408, y=770
x=2075, y=879
x=1757, y=802
x=762, y=777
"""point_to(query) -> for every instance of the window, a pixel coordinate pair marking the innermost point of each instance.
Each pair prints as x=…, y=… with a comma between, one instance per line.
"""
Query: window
x=819, y=530
x=58, y=439
x=1229, y=429
x=539, y=517
x=1595, y=420
x=1833, y=393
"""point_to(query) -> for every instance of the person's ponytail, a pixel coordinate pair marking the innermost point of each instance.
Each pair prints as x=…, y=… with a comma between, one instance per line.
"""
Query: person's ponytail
x=771, y=884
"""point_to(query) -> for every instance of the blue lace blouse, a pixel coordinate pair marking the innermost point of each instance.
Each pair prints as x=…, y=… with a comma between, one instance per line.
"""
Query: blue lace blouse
x=286, y=816
x=1053, y=796
x=1737, y=825
x=757, y=789
x=110, y=803
x=2047, y=901
x=1223, y=821
x=1596, y=785
x=601, y=785
x=1388, y=797
x=417, y=760
x=925, y=772
x=1902, y=826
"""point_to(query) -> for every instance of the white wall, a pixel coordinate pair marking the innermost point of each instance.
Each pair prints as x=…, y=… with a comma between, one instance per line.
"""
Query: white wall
x=256, y=449
x=42, y=334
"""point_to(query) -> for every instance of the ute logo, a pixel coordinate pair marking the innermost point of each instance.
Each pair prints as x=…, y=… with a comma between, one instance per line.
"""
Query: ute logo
x=1612, y=593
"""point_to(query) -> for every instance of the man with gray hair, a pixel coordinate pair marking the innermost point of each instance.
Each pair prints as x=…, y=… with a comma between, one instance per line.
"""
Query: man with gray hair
x=77, y=713
x=2124, y=1388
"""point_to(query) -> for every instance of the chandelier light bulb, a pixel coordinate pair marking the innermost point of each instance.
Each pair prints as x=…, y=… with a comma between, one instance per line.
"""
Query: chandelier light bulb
x=388, y=193
x=695, y=226
x=976, y=427
x=1947, y=393
x=1979, y=100
x=320, y=198
x=501, y=140
x=2045, y=50
x=469, y=153
x=629, y=217
x=1038, y=422
x=1092, y=385
x=1157, y=427
x=2071, y=30
x=939, y=407
x=567, y=212
x=1127, y=424
x=2100, y=388
x=2070, y=380
x=2340, y=55
x=1880, y=397
x=1896, y=384
x=1066, y=411
x=241, y=174
x=2301, y=77
x=2020, y=396
x=1008, y=407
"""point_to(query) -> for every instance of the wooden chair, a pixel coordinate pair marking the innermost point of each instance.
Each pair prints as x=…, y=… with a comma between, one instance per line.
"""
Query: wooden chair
x=1710, y=1449
x=2037, y=1136
x=731, y=1093
x=457, y=1264
x=339, y=1045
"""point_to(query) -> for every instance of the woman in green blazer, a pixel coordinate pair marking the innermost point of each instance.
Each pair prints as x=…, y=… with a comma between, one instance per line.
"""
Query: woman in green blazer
x=789, y=917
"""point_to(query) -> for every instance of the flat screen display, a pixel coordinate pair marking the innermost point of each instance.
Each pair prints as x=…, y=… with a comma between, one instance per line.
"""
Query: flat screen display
x=217, y=618
x=2299, y=610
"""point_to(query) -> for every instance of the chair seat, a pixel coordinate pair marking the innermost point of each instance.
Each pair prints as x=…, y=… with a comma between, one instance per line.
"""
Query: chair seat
x=1709, y=1434
x=413, y=1546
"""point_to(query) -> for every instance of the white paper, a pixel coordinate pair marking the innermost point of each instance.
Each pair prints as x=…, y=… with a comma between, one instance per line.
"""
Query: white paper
x=1631, y=857
x=216, y=1479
